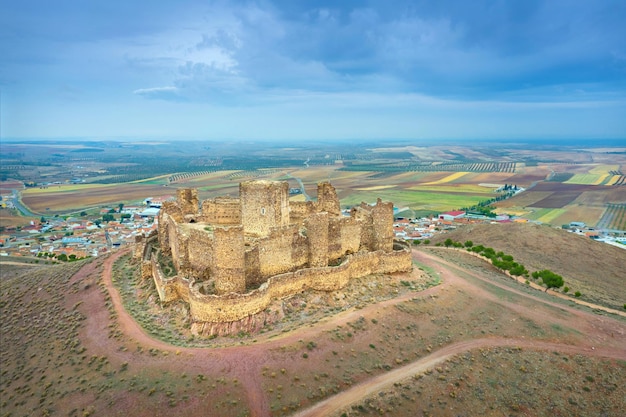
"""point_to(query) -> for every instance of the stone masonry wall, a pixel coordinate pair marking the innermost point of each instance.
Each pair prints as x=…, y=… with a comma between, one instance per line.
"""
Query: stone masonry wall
x=233, y=307
x=334, y=244
x=327, y=199
x=275, y=252
x=228, y=260
x=264, y=206
x=350, y=235
x=168, y=212
x=317, y=236
x=382, y=223
x=300, y=210
x=363, y=215
x=268, y=244
x=221, y=211
x=200, y=252
x=187, y=199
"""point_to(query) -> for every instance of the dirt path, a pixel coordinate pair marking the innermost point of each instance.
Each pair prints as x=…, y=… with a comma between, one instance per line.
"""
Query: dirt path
x=371, y=386
x=245, y=362
x=597, y=328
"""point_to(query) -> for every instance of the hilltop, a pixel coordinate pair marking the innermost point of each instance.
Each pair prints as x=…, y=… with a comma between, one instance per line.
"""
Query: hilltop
x=477, y=341
x=593, y=268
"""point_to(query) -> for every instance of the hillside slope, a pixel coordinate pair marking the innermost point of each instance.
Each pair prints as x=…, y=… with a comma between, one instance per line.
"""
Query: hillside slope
x=596, y=269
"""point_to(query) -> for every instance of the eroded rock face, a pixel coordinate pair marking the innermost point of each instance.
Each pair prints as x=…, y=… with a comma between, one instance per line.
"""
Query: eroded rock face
x=261, y=241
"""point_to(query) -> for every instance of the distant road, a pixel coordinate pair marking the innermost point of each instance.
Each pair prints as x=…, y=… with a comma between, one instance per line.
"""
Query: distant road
x=21, y=207
x=306, y=196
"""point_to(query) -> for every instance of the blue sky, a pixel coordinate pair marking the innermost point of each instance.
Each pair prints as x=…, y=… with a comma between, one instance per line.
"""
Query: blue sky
x=296, y=70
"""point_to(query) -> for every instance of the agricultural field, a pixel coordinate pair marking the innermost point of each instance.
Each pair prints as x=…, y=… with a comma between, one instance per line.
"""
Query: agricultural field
x=67, y=198
x=560, y=203
x=614, y=217
x=573, y=181
x=589, y=179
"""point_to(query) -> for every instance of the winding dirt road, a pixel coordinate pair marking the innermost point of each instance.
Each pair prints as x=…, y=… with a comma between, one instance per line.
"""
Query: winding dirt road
x=606, y=337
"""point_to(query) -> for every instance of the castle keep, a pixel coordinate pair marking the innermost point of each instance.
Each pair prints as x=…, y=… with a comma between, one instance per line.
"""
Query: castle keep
x=234, y=256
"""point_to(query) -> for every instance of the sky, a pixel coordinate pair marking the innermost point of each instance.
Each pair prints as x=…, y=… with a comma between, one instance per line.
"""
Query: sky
x=300, y=69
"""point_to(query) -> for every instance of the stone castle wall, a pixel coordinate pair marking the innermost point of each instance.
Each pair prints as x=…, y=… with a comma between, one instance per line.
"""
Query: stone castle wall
x=382, y=224
x=200, y=252
x=221, y=211
x=228, y=260
x=317, y=226
x=327, y=199
x=264, y=206
x=187, y=199
x=276, y=252
x=169, y=289
x=232, y=307
x=300, y=210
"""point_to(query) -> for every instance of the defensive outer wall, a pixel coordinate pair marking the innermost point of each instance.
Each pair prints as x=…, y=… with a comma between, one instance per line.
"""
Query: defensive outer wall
x=233, y=257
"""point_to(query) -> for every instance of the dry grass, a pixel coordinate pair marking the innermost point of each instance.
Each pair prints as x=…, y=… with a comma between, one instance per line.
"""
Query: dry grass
x=505, y=381
x=130, y=380
x=593, y=268
x=8, y=218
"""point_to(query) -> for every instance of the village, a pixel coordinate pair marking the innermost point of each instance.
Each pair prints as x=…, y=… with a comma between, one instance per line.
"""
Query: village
x=79, y=237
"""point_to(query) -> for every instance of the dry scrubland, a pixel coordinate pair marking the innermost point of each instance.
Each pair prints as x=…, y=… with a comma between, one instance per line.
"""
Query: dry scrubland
x=593, y=268
x=68, y=350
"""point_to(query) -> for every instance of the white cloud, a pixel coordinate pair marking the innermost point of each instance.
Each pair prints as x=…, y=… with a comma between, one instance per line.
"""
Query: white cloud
x=161, y=93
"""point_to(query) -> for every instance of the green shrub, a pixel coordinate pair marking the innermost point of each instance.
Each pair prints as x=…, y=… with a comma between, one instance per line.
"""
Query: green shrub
x=577, y=294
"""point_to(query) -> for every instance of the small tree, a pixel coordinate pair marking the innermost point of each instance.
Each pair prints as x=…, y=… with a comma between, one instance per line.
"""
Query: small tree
x=551, y=279
x=469, y=243
x=448, y=242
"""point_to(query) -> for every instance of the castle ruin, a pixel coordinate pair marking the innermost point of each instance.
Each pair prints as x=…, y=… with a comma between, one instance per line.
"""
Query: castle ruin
x=234, y=256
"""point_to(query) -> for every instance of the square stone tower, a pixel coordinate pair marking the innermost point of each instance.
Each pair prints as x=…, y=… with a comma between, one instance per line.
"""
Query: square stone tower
x=264, y=206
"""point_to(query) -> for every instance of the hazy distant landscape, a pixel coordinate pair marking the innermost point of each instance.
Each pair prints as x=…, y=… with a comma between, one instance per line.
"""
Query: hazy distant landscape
x=578, y=182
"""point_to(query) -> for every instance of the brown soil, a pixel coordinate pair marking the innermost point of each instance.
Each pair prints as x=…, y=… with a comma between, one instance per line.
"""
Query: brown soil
x=120, y=370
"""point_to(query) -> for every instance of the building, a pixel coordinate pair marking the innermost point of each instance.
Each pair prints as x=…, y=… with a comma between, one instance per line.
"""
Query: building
x=452, y=215
x=233, y=256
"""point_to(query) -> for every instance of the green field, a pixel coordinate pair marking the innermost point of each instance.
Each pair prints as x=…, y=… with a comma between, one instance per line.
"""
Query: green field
x=465, y=188
x=551, y=215
x=417, y=200
x=586, y=179
x=545, y=215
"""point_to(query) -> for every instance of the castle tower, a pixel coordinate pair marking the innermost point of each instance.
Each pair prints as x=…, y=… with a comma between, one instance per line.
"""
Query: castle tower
x=317, y=235
x=382, y=224
x=187, y=199
x=327, y=199
x=264, y=205
x=228, y=268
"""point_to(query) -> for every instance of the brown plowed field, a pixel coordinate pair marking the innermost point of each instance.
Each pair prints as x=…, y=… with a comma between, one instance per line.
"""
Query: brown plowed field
x=62, y=198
